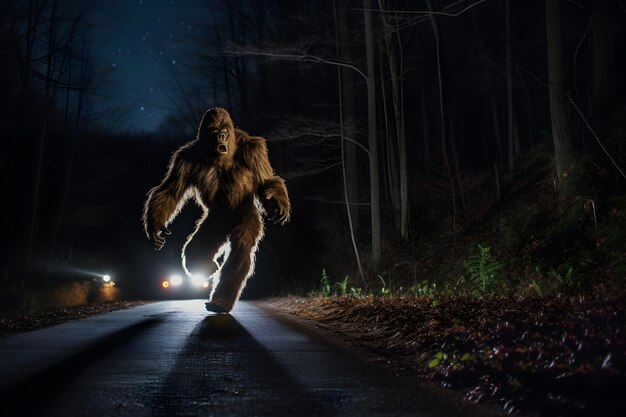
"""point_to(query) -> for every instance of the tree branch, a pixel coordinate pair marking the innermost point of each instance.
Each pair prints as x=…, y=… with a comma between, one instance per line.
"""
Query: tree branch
x=424, y=12
x=296, y=57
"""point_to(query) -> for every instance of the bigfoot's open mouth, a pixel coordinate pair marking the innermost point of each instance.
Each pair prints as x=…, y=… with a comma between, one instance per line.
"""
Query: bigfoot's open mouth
x=222, y=149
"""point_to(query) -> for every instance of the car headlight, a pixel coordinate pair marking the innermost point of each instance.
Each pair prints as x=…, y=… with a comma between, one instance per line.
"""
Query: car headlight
x=198, y=280
x=176, y=280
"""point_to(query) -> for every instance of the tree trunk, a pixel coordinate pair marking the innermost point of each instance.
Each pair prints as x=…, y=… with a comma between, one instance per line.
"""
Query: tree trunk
x=398, y=108
x=343, y=153
x=51, y=47
x=351, y=162
x=34, y=13
x=426, y=132
x=509, y=90
x=455, y=155
x=444, y=150
x=496, y=129
x=373, y=140
x=390, y=158
x=33, y=220
x=558, y=106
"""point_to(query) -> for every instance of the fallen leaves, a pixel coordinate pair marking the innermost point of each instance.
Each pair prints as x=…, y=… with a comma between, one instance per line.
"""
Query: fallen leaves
x=560, y=355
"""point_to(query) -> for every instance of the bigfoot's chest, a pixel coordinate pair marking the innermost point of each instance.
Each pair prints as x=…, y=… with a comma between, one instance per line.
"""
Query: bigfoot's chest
x=232, y=185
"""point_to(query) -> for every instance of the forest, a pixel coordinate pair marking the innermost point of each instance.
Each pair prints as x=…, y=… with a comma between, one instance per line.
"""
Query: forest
x=449, y=146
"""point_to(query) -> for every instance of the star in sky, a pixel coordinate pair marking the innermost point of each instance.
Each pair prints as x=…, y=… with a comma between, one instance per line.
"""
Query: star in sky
x=138, y=80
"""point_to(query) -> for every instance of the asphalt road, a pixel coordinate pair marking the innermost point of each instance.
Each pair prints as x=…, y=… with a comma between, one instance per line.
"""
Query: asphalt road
x=180, y=360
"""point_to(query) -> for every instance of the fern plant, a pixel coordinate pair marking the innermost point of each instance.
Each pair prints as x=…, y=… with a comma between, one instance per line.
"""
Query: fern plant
x=483, y=273
x=342, y=286
x=326, y=289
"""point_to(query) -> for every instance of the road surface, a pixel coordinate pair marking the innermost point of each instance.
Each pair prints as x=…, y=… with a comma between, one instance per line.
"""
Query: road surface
x=175, y=359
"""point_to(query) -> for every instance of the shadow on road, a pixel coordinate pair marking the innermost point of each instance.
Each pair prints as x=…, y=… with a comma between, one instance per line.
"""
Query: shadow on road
x=33, y=395
x=222, y=370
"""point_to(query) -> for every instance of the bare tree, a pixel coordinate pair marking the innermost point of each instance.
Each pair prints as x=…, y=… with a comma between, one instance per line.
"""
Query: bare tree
x=377, y=251
x=349, y=207
x=509, y=89
x=351, y=161
x=397, y=91
x=558, y=106
x=444, y=147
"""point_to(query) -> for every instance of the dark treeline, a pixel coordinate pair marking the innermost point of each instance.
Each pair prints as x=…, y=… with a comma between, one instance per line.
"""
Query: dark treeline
x=424, y=118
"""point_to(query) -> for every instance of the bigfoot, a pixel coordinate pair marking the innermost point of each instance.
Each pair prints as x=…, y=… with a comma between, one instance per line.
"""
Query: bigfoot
x=228, y=173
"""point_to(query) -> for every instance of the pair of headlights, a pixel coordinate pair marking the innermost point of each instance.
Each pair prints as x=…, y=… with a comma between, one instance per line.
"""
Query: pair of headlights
x=198, y=281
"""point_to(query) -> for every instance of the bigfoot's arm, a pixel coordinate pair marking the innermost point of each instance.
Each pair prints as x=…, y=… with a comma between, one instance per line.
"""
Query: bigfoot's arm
x=165, y=200
x=271, y=188
x=273, y=195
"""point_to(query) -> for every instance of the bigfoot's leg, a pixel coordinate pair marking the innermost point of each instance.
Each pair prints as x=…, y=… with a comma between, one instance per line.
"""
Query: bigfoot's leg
x=202, y=245
x=240, y=263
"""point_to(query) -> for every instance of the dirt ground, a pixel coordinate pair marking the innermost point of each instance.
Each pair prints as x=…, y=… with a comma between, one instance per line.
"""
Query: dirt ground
x=558, y=356
x=27, y=323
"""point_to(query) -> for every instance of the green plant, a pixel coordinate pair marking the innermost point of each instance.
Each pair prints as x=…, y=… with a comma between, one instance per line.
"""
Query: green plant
x=557, y=280
x=326, y=290
x=439, y=358
x=424, y=289
x=534, y=285
x=329, y=289
x=385, y=291
x=563, y=282
x=455, y=360
x=342, y=286
x=355, y=292
x=483, y=273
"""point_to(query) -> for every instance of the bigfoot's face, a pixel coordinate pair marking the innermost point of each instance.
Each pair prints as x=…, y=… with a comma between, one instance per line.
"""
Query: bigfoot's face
x=217, y=128
x=222, y=140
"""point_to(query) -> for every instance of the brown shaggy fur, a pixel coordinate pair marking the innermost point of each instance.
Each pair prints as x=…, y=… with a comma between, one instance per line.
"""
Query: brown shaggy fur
x=228, y=173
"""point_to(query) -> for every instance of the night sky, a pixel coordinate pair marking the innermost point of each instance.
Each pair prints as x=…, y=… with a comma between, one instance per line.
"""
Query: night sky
x=138, y=39
x=92, y=117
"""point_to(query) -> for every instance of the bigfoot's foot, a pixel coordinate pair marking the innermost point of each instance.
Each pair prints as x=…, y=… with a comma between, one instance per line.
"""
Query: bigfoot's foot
x=216, y=308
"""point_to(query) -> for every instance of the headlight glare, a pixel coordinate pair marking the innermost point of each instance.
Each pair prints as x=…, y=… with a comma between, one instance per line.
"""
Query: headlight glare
x=176, y=280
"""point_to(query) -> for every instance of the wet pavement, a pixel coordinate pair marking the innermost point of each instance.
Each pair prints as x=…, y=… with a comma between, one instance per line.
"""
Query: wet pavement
x=175, y=359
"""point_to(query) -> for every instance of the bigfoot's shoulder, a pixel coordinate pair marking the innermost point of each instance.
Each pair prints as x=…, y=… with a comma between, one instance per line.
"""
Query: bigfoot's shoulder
x=252, y=153
x=191, y=152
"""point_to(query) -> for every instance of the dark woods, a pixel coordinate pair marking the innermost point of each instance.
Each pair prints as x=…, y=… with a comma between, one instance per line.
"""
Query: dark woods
x=408, y=132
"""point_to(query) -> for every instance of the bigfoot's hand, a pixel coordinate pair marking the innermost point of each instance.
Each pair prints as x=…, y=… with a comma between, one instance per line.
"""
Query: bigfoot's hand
x=154, y=234
x=277, y=206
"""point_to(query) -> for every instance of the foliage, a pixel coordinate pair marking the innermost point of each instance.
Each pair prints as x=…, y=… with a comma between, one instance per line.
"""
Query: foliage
x=326, y=290
x=342, y=286
x=384, y=290
x=455, y=360
x=499, y=349
x=423, y=289
x=355, y=292
x=483, y=273
x=560, y=280
x=563, y=281
x=339, y=288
